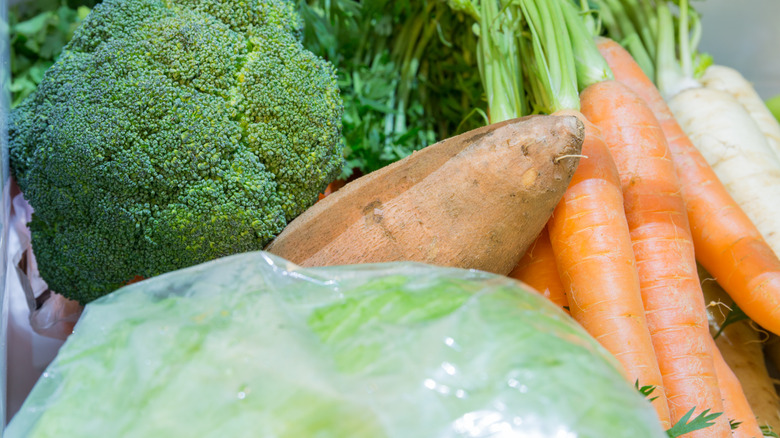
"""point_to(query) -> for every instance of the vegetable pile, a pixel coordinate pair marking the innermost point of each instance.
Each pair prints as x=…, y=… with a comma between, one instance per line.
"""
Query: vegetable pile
x=585, y=148
x=677, y=210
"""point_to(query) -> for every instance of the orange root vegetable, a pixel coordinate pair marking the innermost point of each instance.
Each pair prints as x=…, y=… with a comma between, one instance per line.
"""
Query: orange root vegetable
x=663, y=248
x=332, y=187
x=738, y=152
x=477, y=200
x=593, y=250
x=742, y=349
x=727, y=243
x=537, y=269
x=735, y=405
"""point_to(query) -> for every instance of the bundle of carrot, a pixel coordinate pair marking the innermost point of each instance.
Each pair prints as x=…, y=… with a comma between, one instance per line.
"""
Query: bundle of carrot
x=643, y=206
x=724, y=145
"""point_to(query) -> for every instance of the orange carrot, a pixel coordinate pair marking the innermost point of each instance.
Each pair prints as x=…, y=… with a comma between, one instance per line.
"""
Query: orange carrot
x=537, y=269
x=658, y=224
x=742, y=347
x=727, y=243
x=735, y=404
x=592, y=245
x=332, y=187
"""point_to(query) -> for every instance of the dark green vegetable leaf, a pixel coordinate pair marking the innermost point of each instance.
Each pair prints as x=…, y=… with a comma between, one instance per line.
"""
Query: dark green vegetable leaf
x=646, y=390
x=768, y=432
x=37, y=71
x=38, y=33
x=34, y=26
x=407, y=73
x=703, y=420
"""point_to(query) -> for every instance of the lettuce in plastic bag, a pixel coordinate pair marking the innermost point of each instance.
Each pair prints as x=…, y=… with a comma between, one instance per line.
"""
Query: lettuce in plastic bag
x=251, y=345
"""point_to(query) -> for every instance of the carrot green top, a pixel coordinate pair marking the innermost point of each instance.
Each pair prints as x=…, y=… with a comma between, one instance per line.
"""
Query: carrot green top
x=534, y=55
x=661, y=42
x=498, y=56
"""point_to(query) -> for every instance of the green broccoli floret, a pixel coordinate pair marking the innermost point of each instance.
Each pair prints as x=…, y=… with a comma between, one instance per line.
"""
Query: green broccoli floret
x=170, y=133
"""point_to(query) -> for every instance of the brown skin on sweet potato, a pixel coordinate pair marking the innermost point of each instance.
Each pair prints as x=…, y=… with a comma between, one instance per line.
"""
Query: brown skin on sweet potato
x=477, y=200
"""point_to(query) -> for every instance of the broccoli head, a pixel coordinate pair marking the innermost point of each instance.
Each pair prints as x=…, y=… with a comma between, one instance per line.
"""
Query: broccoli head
x=170, y=133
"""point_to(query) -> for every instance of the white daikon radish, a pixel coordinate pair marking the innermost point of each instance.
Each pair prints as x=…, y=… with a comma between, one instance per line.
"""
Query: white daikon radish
x=727, y=79
x=739, y=153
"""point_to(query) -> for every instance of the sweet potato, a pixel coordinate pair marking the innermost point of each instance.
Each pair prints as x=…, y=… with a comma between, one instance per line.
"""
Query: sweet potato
x=741, y=347
x=477, y=200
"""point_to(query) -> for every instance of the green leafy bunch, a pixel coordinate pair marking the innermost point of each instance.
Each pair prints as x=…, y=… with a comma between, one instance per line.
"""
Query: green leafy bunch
x=407, y=71
x=37, y=33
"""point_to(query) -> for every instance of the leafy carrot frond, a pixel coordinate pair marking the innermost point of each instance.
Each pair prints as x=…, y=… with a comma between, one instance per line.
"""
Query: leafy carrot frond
x=767, y=431
x=645, y=390
x=734, y=424
x=702, y=421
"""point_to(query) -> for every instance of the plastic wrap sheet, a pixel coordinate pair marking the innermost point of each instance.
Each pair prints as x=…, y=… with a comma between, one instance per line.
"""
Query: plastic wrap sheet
x=251, y=345
x=38, y=319
x=5, y=206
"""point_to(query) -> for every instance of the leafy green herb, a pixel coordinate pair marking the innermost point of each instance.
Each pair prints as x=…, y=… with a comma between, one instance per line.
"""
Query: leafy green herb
x=407, y=72
x=702, y=421
x=683, y=426
x=645, y=390
x=768, y=432
x=38, y=32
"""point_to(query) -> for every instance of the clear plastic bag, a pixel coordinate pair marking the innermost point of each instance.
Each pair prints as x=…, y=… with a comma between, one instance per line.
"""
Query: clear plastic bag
x=251, y=345
x=49, y=314
x=37, y=319
x=5, y=205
